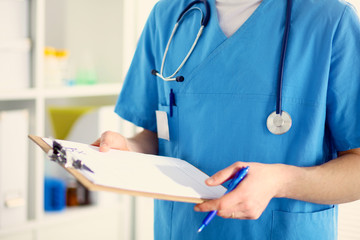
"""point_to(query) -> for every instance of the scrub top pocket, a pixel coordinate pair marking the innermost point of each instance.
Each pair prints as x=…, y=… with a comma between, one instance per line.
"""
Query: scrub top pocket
x=310, y=226
x=170, y=147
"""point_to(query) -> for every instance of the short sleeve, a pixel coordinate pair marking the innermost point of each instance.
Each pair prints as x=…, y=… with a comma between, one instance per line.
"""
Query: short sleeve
x=138, y=99
x=343, y=100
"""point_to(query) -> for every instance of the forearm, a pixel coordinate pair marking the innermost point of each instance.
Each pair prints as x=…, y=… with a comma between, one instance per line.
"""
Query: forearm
x=337, y=181
x=144, y=142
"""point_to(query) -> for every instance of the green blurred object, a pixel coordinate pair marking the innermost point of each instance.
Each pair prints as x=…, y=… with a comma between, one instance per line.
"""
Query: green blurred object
x=86, y=77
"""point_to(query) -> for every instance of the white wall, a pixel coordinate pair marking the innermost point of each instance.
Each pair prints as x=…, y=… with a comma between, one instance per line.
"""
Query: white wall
x=356, y=4
x=349, y=214
x=144, y=207
x=92, y=31
x=136, y=12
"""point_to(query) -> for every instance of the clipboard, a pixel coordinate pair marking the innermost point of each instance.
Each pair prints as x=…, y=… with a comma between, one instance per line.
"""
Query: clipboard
x=174, y=179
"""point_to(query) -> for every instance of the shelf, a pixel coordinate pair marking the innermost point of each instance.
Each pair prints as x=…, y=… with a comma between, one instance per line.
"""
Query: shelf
x=111, y=89
x=18, y=94
x=78, y=212
x=16, y=44
x=83, y=91
x=58, y=218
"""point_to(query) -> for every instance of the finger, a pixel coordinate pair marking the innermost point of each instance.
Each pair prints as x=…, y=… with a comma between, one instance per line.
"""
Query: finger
x=228, y=207
x=239, y=214
x=243, y=208
x=96, y=143
x=233, y=215
x=104, y=146
x=106, y=141
x=226, y=202
x=207, y=206
x=224, y=175
x=228, y=214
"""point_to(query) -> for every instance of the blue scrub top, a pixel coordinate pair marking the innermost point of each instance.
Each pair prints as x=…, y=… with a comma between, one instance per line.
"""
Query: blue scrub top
x=228, y=93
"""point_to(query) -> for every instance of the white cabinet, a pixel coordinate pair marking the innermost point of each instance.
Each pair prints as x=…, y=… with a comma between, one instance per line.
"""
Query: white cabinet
x=23, y=35
x=13, y=167
x=15, y=12
x=85, y=225
x=19, y=235
x=14, y=44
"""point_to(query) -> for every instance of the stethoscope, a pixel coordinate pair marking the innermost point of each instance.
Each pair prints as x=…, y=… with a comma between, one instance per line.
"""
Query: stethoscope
x=279, y=121
x=204, y=21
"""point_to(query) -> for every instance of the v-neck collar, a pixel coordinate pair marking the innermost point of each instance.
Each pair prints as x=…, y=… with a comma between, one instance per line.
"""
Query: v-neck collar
x=244, y=26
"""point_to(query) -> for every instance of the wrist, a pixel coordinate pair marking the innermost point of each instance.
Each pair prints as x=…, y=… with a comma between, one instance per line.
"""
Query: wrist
x=142, y=144
x=289, y=178
x=131, y=145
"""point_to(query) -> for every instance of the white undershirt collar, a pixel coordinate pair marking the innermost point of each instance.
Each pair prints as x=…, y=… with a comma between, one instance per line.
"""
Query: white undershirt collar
x=233, y=13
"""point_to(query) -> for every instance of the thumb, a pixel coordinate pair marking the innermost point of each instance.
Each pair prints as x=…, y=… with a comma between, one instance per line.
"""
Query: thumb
x=224, y=175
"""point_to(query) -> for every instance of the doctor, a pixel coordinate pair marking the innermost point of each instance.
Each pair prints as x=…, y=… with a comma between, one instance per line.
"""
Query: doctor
x=216, y=116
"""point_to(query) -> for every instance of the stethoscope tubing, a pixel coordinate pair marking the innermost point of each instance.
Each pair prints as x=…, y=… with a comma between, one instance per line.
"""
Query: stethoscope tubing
x=282, y=58
x=171, y=77
x=205, y=20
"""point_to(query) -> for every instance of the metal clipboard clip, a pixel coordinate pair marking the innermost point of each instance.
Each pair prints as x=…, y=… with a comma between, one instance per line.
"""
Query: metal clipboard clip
x=65, y=158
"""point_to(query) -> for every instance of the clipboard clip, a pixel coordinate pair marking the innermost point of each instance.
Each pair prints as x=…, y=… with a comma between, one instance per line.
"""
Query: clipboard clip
x=65, y=158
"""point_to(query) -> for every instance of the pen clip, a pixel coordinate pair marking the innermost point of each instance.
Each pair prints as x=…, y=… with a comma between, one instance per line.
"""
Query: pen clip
x=172, y=101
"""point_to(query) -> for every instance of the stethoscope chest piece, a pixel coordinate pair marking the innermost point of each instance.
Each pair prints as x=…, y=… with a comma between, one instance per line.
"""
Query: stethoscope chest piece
x=279, y=123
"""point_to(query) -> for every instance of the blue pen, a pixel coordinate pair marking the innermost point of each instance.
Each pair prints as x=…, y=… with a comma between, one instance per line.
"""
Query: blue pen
x=239, y=176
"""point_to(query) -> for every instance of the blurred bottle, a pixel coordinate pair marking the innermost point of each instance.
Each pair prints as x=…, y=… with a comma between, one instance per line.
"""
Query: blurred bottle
x=62, y=58
x=56, y=68
x=85, y=70
x=71, y=194
x=52, y=76
x=54, y=194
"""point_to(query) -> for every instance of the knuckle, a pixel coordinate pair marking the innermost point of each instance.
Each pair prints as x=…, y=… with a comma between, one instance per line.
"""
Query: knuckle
x=222, y=206
x=223, y=214
x=251, y=211
x=254, y=215
x=247, y=206
x=238, y=164
x=106, y=134
x=216, y=176
x=207, y=206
